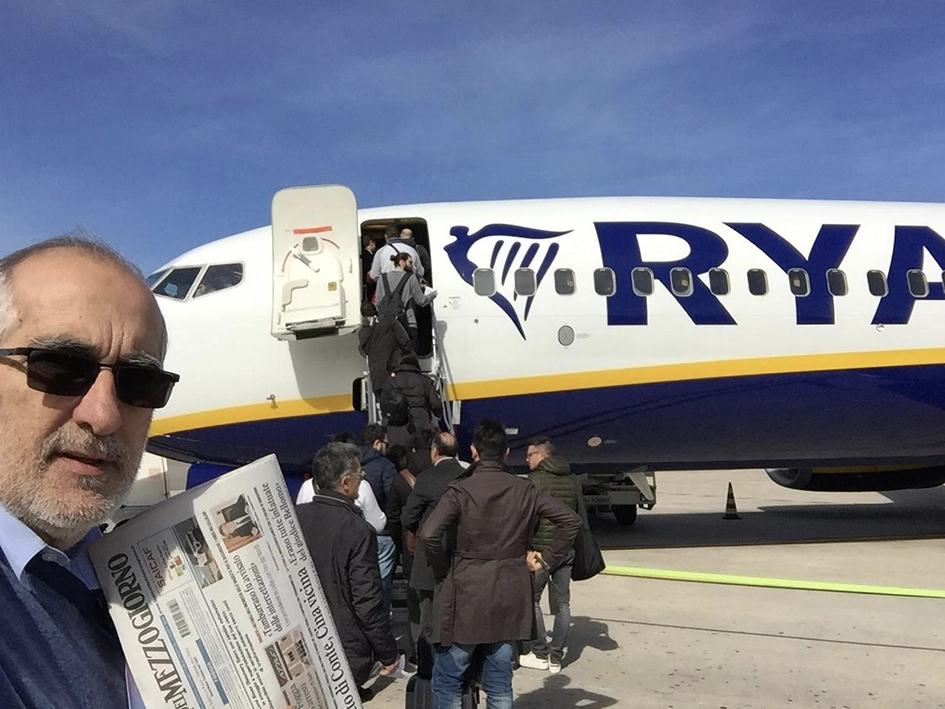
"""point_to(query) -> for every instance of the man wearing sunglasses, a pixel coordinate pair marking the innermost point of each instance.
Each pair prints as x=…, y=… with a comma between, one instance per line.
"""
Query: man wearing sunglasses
x=81, y=348
x=344, y=548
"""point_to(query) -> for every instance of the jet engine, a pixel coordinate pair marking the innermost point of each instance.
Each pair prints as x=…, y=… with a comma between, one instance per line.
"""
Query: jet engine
x=857, y=479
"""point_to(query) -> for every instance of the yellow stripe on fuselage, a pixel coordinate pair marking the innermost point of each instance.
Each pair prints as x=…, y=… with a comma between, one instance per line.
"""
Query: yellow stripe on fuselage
x=695, y=371
x=252, y=412
x=549, y=383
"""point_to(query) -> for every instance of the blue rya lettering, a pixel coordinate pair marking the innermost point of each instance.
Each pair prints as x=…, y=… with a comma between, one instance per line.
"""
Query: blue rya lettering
x=620, y=249
x=831, y=245
x=909, y=248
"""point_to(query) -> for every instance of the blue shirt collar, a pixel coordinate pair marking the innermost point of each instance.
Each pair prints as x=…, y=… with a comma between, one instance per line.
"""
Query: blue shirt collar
x=20, y=544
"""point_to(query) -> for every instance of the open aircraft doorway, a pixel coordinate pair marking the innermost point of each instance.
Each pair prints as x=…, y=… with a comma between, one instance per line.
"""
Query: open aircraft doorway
x=375, y=230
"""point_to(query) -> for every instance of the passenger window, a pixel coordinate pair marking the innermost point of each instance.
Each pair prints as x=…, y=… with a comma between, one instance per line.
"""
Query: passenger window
x=177, y=283
x=757, y=281
x=718, y=281
x=836, y=282
x=155, y=277
x=877, y=283
x=604, y=282
x=484, y=281
x=525, y=281
x=564, y=281
x=219, y=277
x=642, y=280
x=918, y=283
x=681, y=281
x=800, y=282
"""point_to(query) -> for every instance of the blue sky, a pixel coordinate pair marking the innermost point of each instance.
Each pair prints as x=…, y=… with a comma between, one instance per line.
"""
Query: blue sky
x=163, y=125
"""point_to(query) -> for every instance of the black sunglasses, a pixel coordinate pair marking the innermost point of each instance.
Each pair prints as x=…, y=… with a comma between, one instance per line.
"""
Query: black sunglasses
x=63, y=373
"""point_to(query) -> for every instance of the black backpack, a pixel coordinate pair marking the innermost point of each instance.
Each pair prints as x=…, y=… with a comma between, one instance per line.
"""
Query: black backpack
x=394, y=407
x=392, y=304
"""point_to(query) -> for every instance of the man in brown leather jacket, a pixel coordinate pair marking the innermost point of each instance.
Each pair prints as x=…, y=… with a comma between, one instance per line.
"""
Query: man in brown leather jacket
x=483, y=597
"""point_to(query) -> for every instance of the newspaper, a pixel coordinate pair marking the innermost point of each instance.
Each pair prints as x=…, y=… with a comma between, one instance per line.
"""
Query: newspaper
x=217, y=602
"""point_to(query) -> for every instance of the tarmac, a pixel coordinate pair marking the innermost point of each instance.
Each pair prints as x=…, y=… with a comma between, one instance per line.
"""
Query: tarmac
x=845, y=640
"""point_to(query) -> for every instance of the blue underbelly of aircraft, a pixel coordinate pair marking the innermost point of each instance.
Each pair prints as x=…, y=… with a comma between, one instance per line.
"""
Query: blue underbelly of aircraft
x=886, y=416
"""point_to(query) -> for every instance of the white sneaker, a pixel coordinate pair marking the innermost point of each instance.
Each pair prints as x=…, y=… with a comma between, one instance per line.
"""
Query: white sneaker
x=534, y=663
x=554, y=667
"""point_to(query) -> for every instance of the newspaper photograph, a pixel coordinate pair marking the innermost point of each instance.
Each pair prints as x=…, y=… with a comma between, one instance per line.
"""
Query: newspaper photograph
x=217, y=602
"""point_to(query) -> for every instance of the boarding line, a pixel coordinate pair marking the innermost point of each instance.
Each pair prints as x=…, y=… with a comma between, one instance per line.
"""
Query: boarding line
x=731, y=580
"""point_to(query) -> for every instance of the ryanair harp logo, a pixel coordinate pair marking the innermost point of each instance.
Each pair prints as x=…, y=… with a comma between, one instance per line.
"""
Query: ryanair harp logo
x=505, y=248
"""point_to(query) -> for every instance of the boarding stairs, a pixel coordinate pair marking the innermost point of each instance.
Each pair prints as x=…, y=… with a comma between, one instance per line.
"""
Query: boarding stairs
x=436, y=367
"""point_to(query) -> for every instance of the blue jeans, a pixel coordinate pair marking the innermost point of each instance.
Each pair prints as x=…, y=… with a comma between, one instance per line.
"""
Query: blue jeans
x=386, y=556
x=451, y=664
x=559, y=592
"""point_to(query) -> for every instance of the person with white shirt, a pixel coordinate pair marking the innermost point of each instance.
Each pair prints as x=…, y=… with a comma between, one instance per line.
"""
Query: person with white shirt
x=366, y=501
x=394, y=245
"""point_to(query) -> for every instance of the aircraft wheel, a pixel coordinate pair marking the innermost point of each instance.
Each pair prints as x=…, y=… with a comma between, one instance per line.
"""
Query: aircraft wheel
x=625, y=514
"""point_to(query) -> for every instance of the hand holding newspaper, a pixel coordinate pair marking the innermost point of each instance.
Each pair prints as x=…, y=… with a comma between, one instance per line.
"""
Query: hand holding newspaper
x=217, y=602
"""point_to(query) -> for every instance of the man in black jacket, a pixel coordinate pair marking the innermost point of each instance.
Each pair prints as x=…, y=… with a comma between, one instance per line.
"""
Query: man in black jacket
x=344, y=549
x=383, y=342
x=423, y=402
x=423, y=498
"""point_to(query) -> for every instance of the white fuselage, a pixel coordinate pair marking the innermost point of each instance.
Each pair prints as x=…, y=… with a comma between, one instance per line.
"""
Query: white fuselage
x=680, y=377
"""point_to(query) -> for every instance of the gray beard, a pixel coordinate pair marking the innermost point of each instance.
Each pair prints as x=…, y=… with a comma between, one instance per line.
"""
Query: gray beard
x=68, y=514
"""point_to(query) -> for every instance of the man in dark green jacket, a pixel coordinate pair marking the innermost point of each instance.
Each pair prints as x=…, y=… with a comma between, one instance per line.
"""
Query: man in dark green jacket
x=552, y=473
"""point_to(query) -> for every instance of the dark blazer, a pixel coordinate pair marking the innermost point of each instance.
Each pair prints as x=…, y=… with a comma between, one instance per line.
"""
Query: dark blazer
x=423, y=498
x=344, y=548
x=396, y=501
x=485, y=594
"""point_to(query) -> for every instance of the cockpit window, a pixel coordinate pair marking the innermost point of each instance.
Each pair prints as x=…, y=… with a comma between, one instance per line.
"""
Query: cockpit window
x=178, y=282
x=219, y=277
x=155, y=277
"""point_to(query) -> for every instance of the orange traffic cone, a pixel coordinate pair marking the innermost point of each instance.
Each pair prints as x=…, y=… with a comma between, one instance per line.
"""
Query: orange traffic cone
x=731, y=512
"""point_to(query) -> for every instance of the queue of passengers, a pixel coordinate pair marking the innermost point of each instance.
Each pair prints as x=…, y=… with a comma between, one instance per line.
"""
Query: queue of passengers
x=478, y=544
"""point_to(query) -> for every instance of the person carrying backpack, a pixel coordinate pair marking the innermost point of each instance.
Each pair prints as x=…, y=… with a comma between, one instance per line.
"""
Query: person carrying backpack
x=399, y=293
x=383, y=342
x=423, y=403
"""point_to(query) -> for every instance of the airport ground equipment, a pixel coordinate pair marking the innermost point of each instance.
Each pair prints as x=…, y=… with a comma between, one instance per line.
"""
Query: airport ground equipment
x=620, y=493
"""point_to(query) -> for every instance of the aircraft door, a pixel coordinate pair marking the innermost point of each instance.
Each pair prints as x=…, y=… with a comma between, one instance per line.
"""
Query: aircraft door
x=316, y=248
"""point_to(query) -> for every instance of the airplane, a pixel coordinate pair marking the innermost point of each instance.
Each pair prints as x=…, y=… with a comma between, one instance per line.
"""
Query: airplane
x=805, y=337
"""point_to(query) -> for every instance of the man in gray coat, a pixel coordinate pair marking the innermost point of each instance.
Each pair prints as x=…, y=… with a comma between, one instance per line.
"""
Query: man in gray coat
x=483, y=598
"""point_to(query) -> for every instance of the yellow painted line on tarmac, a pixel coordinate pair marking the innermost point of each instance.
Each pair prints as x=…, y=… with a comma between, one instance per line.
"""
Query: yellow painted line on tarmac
x=731, y=580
